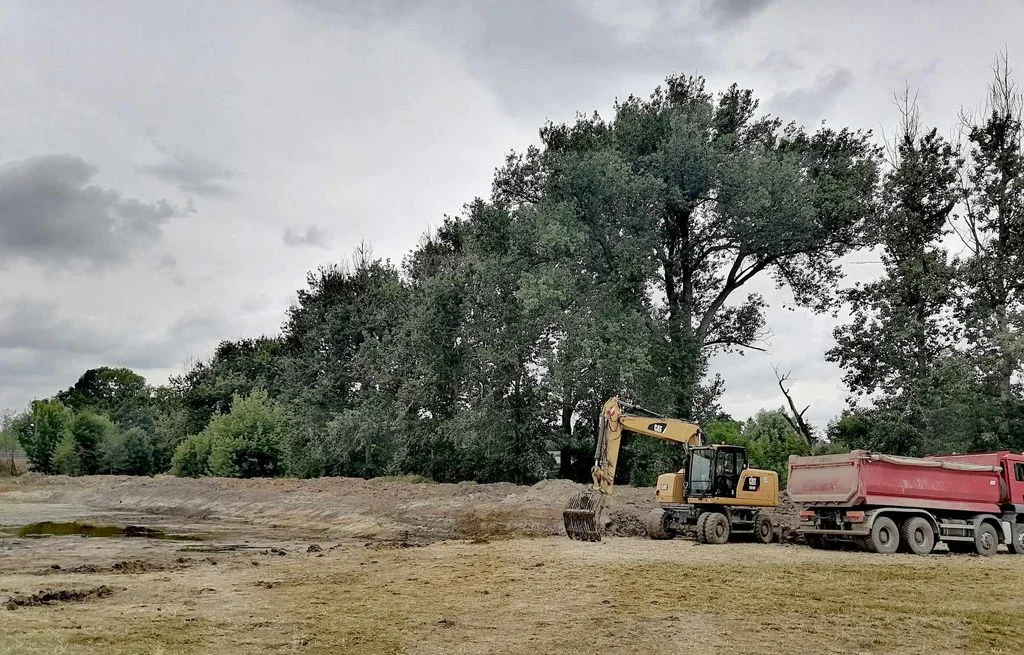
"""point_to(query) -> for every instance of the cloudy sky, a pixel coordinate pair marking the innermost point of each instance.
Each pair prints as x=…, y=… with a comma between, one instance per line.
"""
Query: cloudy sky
x=170, y=171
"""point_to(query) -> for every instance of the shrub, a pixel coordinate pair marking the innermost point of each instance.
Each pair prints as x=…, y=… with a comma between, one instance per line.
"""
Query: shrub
x=192, y=457
x=246, y=442
x=129, y=453
x=66, y=457
x=40, y=430
x=91, y=432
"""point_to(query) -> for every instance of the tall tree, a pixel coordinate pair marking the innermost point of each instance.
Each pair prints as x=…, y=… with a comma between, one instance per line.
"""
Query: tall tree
x=992, y=292
x=119, y=393
x=900, y=330
x=717, y=197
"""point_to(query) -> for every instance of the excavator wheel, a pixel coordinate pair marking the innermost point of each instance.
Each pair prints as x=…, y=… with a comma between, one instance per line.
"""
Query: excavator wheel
x=582, y=516
x=716, y=528
x=764, y=531
x=656, y=525
x=702, y=522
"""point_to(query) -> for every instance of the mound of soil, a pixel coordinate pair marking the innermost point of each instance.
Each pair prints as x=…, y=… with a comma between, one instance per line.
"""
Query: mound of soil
x=53, y=596
x=626, y=524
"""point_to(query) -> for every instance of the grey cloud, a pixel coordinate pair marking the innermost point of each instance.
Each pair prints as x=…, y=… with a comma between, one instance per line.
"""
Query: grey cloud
x=27, y=325
x=49, y=212
x=551, y=55
x=193, y=175
x=778, y=61
x=40, y=348
x=254, y=304
x=811, y=103
x=311, y=236
x=724, y=14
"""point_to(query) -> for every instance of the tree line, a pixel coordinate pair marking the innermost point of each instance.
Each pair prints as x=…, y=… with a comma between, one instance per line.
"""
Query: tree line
x=616, y=257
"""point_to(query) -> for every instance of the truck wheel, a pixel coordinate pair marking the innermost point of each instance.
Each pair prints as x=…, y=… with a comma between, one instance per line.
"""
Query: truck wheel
x=917, y=535
x=815, y=541
x=1018, y=539
x=885, y=538
x=986, y=540
x=716, y=528
x=656, y=525
x=702, y=523
x=764, y=531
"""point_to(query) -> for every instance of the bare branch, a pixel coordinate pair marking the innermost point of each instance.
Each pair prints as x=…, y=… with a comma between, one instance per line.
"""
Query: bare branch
x=797, y=421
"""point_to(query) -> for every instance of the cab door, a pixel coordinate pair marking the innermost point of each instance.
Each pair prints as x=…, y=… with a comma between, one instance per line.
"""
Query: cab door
x=1015, y=480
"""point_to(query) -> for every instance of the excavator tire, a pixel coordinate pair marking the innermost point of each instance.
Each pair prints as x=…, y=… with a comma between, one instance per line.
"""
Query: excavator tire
x=764, y=531
x=656, y=525
x=582, y=516
x=716, y=528
x=702, y=522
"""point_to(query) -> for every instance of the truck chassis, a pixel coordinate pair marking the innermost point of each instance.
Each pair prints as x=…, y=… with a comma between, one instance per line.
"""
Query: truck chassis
x=913, y=530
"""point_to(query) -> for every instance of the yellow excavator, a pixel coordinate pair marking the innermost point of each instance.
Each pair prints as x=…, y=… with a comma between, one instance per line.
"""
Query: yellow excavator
x=715, y=496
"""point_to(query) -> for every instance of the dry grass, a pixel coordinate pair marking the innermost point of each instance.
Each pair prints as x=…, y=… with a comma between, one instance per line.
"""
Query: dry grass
x=12, y=466
x=537, y=596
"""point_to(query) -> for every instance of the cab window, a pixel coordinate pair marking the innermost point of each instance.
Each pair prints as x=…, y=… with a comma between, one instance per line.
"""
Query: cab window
x=1019, y=469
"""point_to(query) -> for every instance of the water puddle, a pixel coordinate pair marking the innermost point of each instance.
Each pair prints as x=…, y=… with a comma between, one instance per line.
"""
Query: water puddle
x=69, y=529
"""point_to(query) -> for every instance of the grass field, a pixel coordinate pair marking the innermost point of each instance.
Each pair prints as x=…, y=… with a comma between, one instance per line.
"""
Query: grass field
x=252, y=588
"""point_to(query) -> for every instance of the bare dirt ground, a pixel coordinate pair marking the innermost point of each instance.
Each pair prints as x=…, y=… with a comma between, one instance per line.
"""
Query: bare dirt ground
x=387, y=566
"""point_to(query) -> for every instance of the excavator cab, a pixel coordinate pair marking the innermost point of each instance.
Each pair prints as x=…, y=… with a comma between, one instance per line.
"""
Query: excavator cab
x=714, y=471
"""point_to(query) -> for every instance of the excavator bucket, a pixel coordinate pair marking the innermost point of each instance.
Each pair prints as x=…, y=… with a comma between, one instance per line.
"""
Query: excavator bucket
x=582, y=516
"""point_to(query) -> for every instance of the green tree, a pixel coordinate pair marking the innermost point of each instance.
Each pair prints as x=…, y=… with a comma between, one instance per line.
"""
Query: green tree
x=40, y=430
x=991, y=298
x=66, y=458
x=246, y=442
x=770, y=440
x=900, y=329
x=90, y=431
x=128, y=453
x=192, y=457
x=118, y=393
x=695, y=196
x=8, y=442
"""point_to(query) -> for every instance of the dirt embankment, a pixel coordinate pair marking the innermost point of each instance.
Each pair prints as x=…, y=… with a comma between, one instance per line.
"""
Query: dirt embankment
x=382, y=508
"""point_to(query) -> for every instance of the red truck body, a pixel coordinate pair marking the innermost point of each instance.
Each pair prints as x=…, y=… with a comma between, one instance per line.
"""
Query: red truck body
x=976, y=483
x=844, y=494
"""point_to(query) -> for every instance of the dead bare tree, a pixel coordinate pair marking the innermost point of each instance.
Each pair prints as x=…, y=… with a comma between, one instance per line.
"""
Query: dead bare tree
x=796, y=421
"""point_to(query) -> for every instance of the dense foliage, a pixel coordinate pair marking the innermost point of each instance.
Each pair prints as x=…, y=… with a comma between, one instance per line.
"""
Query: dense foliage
x=615, y=258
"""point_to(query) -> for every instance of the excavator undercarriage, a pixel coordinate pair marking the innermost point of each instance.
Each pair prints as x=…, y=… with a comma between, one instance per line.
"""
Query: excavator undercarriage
x=717, y=495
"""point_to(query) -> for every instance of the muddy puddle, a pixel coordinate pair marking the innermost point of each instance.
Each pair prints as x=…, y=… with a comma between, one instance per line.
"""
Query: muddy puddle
x=74, y=528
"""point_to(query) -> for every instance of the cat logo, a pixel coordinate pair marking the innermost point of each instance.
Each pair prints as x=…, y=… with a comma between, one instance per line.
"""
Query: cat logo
x=657, y=427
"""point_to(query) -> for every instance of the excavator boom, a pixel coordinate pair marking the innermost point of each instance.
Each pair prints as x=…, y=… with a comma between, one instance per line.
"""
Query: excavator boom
x=582, y=516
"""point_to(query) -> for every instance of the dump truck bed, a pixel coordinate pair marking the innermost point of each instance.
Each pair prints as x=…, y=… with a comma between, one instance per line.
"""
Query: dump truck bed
x=861, y=478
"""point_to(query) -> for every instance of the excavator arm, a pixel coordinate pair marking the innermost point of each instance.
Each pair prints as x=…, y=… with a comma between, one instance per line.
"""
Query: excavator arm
x=582, y=516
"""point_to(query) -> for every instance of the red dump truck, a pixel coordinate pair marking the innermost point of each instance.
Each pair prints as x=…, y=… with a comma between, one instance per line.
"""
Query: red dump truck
x=883, y=503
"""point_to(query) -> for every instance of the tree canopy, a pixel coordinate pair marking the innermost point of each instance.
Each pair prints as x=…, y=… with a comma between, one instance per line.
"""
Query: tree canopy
x=617, y=256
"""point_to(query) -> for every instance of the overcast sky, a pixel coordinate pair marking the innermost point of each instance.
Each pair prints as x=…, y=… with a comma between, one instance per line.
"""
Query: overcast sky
x=170, y=171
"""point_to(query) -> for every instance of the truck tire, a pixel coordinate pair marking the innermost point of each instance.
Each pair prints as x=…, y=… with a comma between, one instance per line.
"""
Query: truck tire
x=656, y=525
x=1018, y=539
x=885, y=538
x=986, y=540
x=917, y=535
x=702, y=522
x=716, y=528
x=764, y=531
